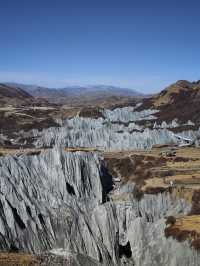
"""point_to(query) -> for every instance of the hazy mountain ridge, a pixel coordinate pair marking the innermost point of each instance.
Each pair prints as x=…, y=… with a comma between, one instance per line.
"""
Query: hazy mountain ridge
x=17, y=92
x=63, y=95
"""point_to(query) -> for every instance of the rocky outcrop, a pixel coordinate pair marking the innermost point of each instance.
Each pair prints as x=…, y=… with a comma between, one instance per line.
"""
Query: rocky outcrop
x=61, y=202
x=118, y=130
x=56, y=200
x=46, y=201
x=127, y=114
x=86, y=132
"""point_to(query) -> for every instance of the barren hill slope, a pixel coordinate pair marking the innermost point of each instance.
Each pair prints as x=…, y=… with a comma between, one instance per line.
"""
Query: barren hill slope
x=180, y=100
x=81, y=95
x=13, y=96
x=16, y=96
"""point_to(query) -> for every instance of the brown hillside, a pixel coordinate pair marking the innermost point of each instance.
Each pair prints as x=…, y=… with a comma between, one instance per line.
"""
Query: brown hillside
x=16, y=97
x=180, y=100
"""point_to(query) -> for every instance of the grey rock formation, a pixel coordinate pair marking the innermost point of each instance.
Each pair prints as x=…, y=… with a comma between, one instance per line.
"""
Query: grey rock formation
x=174, y=124
x=128, y=114
x=86, y=132
x=118, y=131
x=46, y=202
x=55, y=200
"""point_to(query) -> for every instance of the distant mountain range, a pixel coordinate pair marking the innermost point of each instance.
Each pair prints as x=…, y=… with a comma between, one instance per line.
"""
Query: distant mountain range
x=180, y=100
x=76, y=93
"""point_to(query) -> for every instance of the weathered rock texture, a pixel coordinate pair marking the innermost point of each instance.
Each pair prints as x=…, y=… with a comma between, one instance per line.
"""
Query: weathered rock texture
x=57, y=200
x=114, y=132
x=46, y=202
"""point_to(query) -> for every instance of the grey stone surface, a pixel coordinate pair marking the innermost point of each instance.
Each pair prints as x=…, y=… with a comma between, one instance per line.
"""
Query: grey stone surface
x=39, y=212
x=104, y=134
x=55, y=202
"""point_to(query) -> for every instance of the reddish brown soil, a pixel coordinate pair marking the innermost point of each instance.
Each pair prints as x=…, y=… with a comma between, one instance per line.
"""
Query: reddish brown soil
x=134, y=167
x=195, y=203
x=92, y=112
x=180, y=235
x=155, y=190
x=10, y=125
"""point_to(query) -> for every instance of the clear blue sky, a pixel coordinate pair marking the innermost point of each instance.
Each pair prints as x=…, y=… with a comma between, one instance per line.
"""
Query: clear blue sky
x=143, y=45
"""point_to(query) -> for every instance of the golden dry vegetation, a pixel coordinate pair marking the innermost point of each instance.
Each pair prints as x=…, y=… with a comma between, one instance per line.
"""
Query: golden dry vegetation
x=152, y=171
x=166, y=98
x=15, y=259
x=183, y=169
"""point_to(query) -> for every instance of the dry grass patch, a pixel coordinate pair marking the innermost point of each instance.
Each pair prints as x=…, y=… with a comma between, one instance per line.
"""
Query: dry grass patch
x=84, y=149
x=15, y=259
x=152, y=172
x=185, y=228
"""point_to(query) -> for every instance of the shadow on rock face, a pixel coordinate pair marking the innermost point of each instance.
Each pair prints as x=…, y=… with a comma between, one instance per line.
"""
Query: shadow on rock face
x=125, y=250
x=106, y=181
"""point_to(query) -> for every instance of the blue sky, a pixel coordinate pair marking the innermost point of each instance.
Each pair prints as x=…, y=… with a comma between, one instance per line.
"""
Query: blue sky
x=144, y=45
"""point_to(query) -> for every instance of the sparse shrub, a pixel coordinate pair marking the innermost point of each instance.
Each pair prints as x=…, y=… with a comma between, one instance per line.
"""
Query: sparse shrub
x=171, y=220
x=155, y=190
x=196, y=244
x=92, y=112
x=138, y=193
x=195, y=203
x=32, y=153
x=13, y=249
x=182, y=235
x=171, y=231
x=180, y=159
x=193, y=233
x=179, y=235
x=167, y=173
